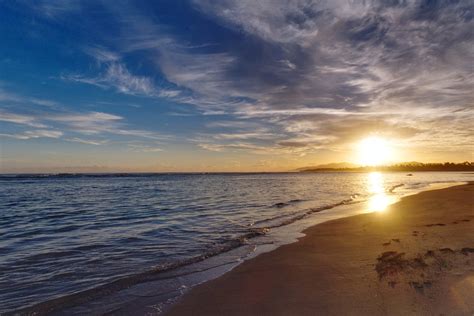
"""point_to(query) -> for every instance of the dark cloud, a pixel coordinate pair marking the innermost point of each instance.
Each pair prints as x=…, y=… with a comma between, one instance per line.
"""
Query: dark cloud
x=347, y=54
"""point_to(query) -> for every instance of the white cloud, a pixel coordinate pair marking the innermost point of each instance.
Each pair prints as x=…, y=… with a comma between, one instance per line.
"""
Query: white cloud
x=54, y=9
x=118, y=77
x=96, y=123
x=245, y=135
x=101, y=54
x=144, y=148
x=7, y=97
x=205, y=74
x=21, y=119
x=86, y=117
x=87, y=141
x=88, y=123
x=35, y=134
x=273, y=20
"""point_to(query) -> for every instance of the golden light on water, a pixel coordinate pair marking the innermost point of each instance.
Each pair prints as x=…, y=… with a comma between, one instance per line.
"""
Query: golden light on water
x=376, y=183
x=378, y=203
x=374, y=151
x=379, y=200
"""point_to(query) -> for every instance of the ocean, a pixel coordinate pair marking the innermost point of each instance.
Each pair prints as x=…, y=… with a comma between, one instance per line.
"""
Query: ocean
x=164, y=233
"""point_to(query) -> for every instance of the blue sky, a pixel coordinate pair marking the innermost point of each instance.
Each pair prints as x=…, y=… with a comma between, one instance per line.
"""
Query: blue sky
x=231, y=85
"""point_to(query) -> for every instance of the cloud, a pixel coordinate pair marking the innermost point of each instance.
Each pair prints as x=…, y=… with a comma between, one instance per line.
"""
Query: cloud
x=381, y=35
x=87, y=141
x=101, y=54
x=141, y=148
x=54, y=9
x=20, y=119
x=85, y=123
x=234, y=147
x=246, y=135
x=280, y=21
x=341, y=66
x=205, y=74
x=86, y=117
x=97, y=123
x=90, y=123
x=35, y=134
x=7, y=97
x=293, y=76
x=118, y=77
x=257, y=149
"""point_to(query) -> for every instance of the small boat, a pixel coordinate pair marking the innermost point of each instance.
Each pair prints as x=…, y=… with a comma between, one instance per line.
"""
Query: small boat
x=409, y=174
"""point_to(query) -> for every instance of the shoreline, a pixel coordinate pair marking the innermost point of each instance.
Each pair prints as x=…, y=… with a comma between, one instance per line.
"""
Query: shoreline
x=312, y=276
x=59, y=175
x=289, y=235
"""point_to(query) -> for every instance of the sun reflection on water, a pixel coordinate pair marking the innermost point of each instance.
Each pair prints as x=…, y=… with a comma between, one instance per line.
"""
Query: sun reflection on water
x=379, y=200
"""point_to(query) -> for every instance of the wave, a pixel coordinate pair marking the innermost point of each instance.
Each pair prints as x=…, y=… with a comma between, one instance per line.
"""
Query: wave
x=154, y=274
x=33, y=176
x=257, y=229
x=283, y=204
x=74, y=175
x=395, y=187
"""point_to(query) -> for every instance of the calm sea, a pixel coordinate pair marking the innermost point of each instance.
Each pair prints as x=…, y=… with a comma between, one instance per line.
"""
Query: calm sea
x=65, y=234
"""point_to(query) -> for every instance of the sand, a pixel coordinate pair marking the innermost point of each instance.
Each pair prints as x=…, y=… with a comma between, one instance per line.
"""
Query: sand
x=415, y=258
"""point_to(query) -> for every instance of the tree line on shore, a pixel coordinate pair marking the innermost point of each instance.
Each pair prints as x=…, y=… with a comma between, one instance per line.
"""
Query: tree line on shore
x=406, y=167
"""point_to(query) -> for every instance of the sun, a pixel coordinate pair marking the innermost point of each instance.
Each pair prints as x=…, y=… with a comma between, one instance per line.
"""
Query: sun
x=374, y=151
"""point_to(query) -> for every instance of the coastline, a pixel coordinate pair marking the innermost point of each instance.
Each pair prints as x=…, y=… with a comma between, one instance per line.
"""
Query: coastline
x=144, y=293
x=416, y=257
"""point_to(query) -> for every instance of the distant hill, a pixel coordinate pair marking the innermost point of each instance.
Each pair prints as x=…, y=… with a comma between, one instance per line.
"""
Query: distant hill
x=334, y=165
x=404, y=166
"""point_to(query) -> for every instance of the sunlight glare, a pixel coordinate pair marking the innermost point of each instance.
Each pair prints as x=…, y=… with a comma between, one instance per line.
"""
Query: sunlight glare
x=379, y=200
x=374, y=151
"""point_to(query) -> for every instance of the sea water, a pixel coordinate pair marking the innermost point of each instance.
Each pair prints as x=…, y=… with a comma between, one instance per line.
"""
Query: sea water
x=64, y=234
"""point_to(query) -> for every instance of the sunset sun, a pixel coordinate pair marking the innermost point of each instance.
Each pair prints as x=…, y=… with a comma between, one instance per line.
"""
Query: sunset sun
x=374, y=151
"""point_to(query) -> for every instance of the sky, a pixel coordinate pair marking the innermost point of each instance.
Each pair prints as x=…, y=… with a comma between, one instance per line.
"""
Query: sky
x=231, y=85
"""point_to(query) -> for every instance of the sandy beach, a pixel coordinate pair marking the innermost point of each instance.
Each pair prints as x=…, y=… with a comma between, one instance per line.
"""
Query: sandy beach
x=414, y=258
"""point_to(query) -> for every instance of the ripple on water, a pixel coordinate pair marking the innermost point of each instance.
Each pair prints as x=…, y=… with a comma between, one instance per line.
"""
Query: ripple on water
x=64, y=234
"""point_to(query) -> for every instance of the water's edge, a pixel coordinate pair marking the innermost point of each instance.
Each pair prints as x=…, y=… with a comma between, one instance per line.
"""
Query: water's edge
x=266, y=248
x=138, y=292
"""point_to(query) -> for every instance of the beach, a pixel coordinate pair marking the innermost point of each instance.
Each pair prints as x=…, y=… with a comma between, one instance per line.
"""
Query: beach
x=236, y=157
x=414, y=258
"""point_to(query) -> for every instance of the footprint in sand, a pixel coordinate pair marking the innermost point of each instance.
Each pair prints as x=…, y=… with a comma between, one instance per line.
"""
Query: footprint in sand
x=438, y=224
x=446, y=250
x=390, y=241
x=418, y=270
x=462, y=220
x=420, y=286
x=467, y=250
x=430, y=253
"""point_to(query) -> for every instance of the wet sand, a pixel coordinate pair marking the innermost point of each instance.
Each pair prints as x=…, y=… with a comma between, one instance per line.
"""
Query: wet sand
x=414, y=258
